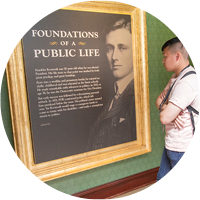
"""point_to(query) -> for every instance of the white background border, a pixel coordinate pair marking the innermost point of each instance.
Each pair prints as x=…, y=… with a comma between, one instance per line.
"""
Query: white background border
x=17, y=17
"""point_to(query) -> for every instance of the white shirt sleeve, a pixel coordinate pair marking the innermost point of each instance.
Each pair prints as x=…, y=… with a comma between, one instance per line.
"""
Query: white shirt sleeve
x=182, y=95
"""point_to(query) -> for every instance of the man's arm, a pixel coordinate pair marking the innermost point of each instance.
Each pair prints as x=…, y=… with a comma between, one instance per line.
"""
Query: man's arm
x=162, y=96
x=159, y=101
x=169, y=113
x=173, y=113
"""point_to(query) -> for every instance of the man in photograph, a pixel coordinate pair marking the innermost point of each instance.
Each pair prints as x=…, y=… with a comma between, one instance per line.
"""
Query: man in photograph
x=117, y=123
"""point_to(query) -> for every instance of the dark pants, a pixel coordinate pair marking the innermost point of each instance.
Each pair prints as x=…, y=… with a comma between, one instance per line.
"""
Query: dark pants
x=168, y=161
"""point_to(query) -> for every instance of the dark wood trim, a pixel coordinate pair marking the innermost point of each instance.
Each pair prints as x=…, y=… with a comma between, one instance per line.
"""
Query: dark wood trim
x=121, y=186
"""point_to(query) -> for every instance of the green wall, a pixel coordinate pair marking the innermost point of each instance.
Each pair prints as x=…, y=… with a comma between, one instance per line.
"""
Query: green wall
x=157, y=34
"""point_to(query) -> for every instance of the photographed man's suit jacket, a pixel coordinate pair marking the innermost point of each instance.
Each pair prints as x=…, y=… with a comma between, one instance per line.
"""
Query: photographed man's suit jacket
x=118, y=126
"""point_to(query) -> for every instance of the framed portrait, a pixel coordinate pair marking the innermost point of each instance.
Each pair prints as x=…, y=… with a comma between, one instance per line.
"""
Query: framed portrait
x=79, y=91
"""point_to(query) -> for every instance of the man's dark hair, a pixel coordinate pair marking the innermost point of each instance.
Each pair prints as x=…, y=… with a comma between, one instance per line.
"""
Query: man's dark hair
x=175, y=45
x=170, y=43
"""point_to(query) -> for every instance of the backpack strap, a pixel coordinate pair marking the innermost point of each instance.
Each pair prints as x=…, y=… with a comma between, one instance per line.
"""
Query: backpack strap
x=188, y=73
x=190, y=108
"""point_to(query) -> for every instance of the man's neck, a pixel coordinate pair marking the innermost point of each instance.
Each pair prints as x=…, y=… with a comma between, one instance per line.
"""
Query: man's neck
x=180, y=68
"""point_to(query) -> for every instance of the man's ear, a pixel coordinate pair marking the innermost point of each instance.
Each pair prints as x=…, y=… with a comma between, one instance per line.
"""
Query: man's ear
x=178, y=56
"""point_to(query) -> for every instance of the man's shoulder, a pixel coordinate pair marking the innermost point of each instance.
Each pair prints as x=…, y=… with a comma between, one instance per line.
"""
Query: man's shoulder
x=186, y=91
x=188, y=76
x=191, y=80
x=188, y=72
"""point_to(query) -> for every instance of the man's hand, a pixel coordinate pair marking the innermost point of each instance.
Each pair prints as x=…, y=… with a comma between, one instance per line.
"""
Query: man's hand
x=163, y=93
x=161, y=97
x=179, y=121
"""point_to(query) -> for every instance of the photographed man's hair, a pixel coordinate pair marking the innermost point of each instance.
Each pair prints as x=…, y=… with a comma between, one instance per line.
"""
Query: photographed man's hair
x=122, y=22
x=175, y=45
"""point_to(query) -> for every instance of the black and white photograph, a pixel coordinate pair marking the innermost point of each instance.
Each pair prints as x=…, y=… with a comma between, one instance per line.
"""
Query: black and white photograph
x=79, y=70
x=78, y=89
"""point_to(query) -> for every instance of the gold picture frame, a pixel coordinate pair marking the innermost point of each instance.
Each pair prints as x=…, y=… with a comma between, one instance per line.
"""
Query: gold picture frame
x=73, y=164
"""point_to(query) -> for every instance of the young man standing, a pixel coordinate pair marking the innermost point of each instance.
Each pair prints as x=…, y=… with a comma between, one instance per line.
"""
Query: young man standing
x=178, y=104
